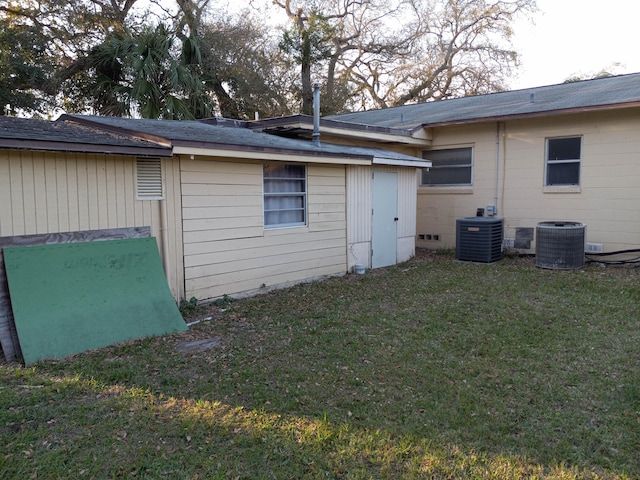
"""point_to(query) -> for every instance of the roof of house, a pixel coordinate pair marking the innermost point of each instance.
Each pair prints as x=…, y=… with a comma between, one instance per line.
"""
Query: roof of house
x=33, y=134
x=601, y=93
x=231, y=135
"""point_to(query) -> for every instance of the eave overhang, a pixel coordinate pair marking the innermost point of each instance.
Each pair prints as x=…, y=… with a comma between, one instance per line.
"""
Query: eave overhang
x=46, y=145
x=242, y=152
x=302, y=126
x=523, y=116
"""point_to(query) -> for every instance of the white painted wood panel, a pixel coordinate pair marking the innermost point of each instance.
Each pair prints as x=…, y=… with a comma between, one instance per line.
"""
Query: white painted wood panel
x=228, y=250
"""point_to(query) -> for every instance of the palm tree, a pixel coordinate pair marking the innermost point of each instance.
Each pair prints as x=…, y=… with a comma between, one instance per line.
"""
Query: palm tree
x=147, y=75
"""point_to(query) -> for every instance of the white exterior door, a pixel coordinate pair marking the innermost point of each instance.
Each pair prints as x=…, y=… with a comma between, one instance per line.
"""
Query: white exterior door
x=384, y=235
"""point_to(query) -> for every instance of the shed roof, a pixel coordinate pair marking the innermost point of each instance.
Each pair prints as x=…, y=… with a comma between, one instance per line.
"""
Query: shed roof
x=34, y=134
x=230, y=135
x=601, y=93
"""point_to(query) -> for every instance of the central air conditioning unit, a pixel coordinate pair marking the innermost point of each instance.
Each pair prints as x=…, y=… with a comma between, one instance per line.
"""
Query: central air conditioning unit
x=560, y=245
x=479, y=239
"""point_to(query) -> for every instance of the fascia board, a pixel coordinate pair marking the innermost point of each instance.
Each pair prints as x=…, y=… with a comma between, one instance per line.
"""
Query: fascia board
x=402, y=163
x=270, y=156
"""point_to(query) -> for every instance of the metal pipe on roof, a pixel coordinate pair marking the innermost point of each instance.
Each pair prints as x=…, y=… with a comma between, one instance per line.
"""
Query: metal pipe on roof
x=316, y=114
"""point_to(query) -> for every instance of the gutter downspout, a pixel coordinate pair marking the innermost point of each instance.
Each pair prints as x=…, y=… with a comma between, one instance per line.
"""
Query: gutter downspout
x=496, y=193
x=316, y=114
x=163, y=227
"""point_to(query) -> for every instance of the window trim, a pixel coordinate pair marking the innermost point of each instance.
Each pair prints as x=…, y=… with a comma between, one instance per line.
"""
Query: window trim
x=470, y=166
x=303, y=194
x=548, y=161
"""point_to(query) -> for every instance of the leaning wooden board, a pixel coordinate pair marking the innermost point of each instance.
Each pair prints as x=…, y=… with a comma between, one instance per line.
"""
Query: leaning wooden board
x=8, y=335
x=69, y=298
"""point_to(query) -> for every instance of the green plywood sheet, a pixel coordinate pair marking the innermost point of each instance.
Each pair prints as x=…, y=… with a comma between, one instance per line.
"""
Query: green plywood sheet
x=74, y=297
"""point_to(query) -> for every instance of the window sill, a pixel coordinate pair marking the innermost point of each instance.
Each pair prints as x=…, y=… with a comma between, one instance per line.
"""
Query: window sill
x=285, y=229
x=563, y=189
x=444, y=190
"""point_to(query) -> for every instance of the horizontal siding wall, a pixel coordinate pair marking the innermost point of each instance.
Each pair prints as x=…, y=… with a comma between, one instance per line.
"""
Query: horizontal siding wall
x=606, y=201
x=227, y=249
x=44, y=192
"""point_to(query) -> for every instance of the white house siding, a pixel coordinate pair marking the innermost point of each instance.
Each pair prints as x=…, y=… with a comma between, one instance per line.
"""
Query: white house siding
x=606, y=201
x=228, y=250
x=359, y=216
x=44, y=192
x=359, y=180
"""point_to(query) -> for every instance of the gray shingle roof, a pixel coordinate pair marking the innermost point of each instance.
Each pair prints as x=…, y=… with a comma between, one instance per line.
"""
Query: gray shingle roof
x=587, y=94
x=33, y=134
x=234, y=135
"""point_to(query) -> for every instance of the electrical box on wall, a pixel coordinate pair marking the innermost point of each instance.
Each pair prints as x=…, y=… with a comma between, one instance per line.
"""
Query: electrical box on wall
x=492, y=210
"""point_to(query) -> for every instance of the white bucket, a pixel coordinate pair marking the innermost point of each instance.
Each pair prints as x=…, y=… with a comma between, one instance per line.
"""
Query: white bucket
x=359, y=269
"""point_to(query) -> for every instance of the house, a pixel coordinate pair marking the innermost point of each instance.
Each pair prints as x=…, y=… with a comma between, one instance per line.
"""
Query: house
x=568, y=152
x=234, y=210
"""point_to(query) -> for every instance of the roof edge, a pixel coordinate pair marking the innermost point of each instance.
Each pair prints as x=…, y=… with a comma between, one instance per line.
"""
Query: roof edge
x=162, y=141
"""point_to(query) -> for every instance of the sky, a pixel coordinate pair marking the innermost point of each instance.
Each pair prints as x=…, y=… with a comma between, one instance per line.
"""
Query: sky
x=577, y=37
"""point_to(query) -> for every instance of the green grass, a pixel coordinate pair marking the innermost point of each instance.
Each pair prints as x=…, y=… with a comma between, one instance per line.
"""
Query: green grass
x=431, y=369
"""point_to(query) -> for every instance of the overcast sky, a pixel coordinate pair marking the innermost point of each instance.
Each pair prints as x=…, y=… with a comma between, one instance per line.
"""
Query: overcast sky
x=577, y=37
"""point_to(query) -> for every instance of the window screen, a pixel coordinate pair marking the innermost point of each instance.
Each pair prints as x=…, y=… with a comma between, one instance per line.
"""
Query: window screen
x=285, y=195
x=563, y=161
x=449, y=167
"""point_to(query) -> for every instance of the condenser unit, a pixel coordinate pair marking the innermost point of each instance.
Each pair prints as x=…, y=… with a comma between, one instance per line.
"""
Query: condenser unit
x=479, y=239
x=560, y=245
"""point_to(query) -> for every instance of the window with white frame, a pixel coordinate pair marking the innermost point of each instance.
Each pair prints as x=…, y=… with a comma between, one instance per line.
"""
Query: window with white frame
x=285, y=195
x=563, y=160
x=449, y=167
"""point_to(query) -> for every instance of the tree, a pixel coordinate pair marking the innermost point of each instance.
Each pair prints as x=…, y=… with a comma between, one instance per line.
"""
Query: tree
x=379, y=53
x=52, y=39
x=242, y=67
x=140, y=74
x=25, y=65
x=308, y=42
x=460, y=48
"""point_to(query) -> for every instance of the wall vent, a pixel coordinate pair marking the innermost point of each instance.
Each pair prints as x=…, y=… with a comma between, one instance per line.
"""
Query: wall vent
x=149, y=178
x=479, y=239
x=593, y=248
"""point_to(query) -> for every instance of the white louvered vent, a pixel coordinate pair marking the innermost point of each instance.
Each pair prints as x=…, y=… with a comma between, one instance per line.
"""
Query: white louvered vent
x=149, y=178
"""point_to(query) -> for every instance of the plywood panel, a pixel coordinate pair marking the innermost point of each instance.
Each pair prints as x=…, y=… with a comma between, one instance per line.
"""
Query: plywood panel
x=8, y=335
x=121, y=286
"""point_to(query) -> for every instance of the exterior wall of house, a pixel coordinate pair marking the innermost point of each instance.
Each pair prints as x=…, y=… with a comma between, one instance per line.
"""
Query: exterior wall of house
x=45, y=192
x=359, y=202
x=606, y=201
x=228, y=250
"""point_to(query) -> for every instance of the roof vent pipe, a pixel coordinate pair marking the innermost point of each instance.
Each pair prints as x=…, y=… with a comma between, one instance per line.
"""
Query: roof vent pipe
x=316, y=114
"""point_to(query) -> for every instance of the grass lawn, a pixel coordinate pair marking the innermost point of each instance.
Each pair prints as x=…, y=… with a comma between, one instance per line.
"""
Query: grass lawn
x=430, y=369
